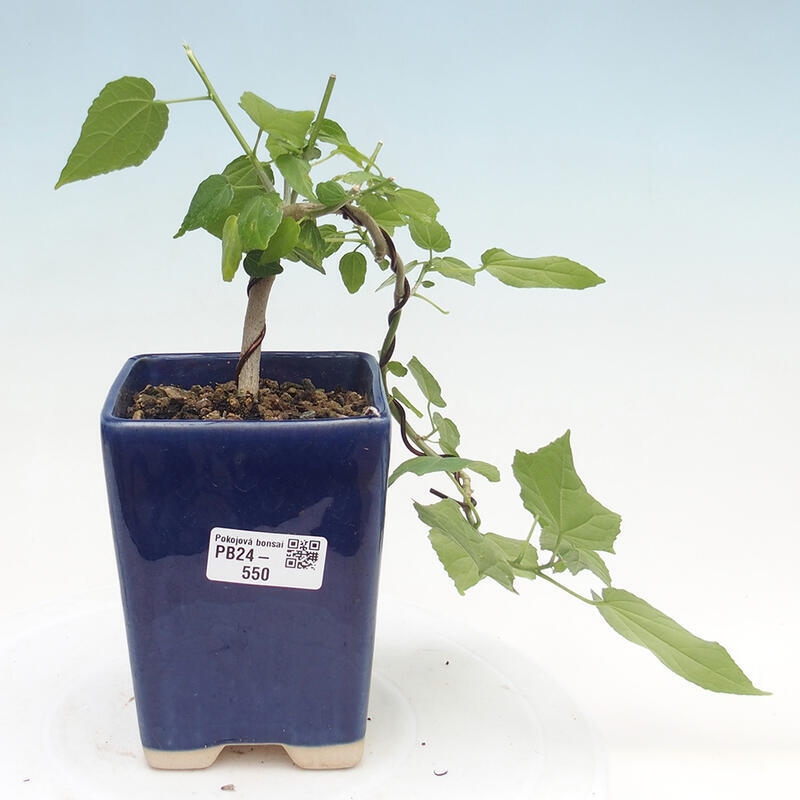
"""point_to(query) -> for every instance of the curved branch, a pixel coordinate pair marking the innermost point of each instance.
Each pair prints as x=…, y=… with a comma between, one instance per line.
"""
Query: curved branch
x=380, y=238
x=299, y=211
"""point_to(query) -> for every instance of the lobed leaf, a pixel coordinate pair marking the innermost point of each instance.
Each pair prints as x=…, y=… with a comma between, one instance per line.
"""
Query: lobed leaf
x=466, y=554
x=521, y=555
x=538, y=273
x=707, y=664
x=291, y=126
x=458, y=562
x=123, y=126
x=574, y=525
x=426, y=465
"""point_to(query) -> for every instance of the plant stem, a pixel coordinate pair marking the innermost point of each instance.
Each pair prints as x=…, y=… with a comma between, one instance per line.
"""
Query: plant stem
x=431, y=303
x=530, y=533
x=518, y=560
x=213, y=96
x=317, y=124
x=249, y=370
x=185, y=100
x=566, y=589
x=371, y=160
x=291, y=197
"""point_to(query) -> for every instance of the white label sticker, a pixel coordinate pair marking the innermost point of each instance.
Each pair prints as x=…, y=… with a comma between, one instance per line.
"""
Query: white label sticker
x=266, y=559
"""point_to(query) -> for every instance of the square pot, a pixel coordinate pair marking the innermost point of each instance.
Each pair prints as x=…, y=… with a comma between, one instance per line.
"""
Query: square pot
x=248, y=556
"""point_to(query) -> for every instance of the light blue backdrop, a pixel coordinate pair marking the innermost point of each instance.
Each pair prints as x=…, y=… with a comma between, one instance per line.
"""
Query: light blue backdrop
x=656, y=142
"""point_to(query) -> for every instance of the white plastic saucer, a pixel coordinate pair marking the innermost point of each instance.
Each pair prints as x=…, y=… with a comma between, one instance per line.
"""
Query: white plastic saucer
x=451, y=716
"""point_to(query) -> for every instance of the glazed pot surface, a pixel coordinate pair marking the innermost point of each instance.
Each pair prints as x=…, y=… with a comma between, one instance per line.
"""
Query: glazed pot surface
x=248, y=555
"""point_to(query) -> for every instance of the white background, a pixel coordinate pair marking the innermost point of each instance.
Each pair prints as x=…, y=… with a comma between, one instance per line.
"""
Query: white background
x=655, y=142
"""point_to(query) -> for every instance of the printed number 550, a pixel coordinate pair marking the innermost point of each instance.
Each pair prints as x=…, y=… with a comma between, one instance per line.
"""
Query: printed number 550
x=256, y=573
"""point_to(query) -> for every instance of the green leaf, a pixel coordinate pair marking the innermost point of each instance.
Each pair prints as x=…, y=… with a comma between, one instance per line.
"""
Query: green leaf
x=396, y=368
x=332, y=238
x=231, y=248
x=212, y=198
x=430, y=235
x=261, y=263
x=704, y=663
x=574, y=524
x=283, y=241
x=332, y=193
x=575, y=559
x=355, y=178
x=399, y=397
x=257, y=266
x=259, y=219
x=295, y=170
x=521, y=555
x=465, y=553
x=241, y=173
x=454, y=268
x=311, y=246
x=456, y=559
x=123, y=126
x=291, y=126
x=355, y=155
x=280, y=147
x=332, y=132
x=415, y=205
x=353, y=269
x=449, y=436
x=381, y=210
x=538, y=273
x=428, y=385
x=425, y=465
x=241, y=177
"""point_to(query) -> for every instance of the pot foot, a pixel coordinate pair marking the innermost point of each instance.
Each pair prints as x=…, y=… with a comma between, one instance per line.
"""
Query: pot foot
x=332, y=756
x=182, y=759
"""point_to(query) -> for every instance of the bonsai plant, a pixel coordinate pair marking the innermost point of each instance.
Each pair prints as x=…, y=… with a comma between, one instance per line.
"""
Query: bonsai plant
x=271, y=212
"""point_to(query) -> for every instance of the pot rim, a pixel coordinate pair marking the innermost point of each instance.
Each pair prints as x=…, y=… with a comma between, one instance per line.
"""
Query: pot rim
x=375, y=387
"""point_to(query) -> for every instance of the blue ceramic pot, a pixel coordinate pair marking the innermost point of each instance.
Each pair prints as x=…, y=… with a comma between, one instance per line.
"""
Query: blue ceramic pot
x=248, y=556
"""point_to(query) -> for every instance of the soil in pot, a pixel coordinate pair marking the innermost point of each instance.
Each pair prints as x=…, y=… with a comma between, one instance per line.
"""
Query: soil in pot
x=275, y=401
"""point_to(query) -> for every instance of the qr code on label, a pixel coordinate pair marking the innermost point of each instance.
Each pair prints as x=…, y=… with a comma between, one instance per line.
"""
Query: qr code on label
x=302, y=553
